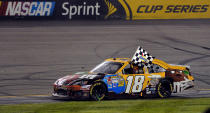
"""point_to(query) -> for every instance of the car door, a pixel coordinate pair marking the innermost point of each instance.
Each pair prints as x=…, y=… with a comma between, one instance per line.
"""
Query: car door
x=135, y=83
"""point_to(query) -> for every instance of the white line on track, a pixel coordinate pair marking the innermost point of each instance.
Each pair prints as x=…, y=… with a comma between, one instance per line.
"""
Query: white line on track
x=44, y=95
x=47, y=95
x=11, y=28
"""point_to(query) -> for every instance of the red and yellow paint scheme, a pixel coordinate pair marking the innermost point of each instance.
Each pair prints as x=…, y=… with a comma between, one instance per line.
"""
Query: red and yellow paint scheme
x=117, y=75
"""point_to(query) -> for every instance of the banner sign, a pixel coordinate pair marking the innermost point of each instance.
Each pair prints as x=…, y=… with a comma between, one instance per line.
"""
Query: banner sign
x=80, y=9
x=90, y=9
x=166, y=9
x=26, y=8
x=104, y=9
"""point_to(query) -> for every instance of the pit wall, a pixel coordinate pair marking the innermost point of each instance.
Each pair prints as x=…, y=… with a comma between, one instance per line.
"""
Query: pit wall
x=104, y=9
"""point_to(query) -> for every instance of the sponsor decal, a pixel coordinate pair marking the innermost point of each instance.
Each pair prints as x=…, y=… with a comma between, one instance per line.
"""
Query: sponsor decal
x=121, y=82
x=91, y=9
x=150, y=90
x=115, y=9
x=182, y=85
x=88, y=76
x=172, y=8
x=109, y=82
x=27, y=8
x=108, y=9
x=111, y=8
x=134, y=85
x=115, y=81
x=83, y=9
x=164, y=9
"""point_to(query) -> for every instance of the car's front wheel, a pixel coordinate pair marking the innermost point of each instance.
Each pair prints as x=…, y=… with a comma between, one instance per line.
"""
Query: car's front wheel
x=164, y=88
x=98, y=91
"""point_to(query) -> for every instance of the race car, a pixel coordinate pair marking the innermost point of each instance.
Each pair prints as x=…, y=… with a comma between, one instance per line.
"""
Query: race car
x=143, y=75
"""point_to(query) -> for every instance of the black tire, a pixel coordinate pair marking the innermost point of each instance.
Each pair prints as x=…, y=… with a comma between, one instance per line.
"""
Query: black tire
x=98, y=91
x=164, y=88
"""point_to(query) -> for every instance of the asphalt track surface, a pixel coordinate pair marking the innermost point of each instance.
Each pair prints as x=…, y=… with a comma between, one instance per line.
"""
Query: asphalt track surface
x=33, y=54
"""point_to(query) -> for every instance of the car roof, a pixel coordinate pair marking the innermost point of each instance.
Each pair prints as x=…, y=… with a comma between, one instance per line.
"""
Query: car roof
x=121, y=60
x=155, y=61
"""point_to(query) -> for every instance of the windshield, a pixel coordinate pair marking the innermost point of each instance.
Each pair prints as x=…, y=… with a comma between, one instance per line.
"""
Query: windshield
x=107, y=67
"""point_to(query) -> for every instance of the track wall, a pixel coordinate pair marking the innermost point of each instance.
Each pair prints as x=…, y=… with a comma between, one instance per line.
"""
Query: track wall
x=104, y=9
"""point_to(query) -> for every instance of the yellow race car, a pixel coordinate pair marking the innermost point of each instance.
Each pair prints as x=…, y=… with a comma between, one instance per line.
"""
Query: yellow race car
x=142, y=75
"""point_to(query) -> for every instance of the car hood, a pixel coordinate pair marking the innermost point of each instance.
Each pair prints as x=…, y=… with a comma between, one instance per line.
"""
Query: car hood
x=66, y=79
x=77, y=77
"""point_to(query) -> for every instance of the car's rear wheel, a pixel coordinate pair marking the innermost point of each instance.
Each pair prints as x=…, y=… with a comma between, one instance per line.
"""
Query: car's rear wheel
x=98, y=91
x=164, y=88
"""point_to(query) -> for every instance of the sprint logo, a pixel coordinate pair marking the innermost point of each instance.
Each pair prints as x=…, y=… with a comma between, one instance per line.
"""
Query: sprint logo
x=111, y=8
x=87, y=9
x=80, y=10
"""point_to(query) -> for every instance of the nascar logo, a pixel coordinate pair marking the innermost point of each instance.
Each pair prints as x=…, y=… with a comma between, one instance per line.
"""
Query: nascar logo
x=15, y=8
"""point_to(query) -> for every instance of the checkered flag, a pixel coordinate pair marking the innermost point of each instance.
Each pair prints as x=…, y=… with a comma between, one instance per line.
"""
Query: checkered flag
x=142, y=57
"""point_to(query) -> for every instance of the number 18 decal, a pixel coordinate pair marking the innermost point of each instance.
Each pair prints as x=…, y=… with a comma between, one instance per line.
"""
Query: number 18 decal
x=137, y=85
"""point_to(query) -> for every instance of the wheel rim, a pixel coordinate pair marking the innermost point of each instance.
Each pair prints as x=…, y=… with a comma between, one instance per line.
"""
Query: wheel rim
x=164, y=90
x=99, y=92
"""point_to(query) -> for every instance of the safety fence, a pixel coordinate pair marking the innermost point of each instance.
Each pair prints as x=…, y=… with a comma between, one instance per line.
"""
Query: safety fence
x=104, y=9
